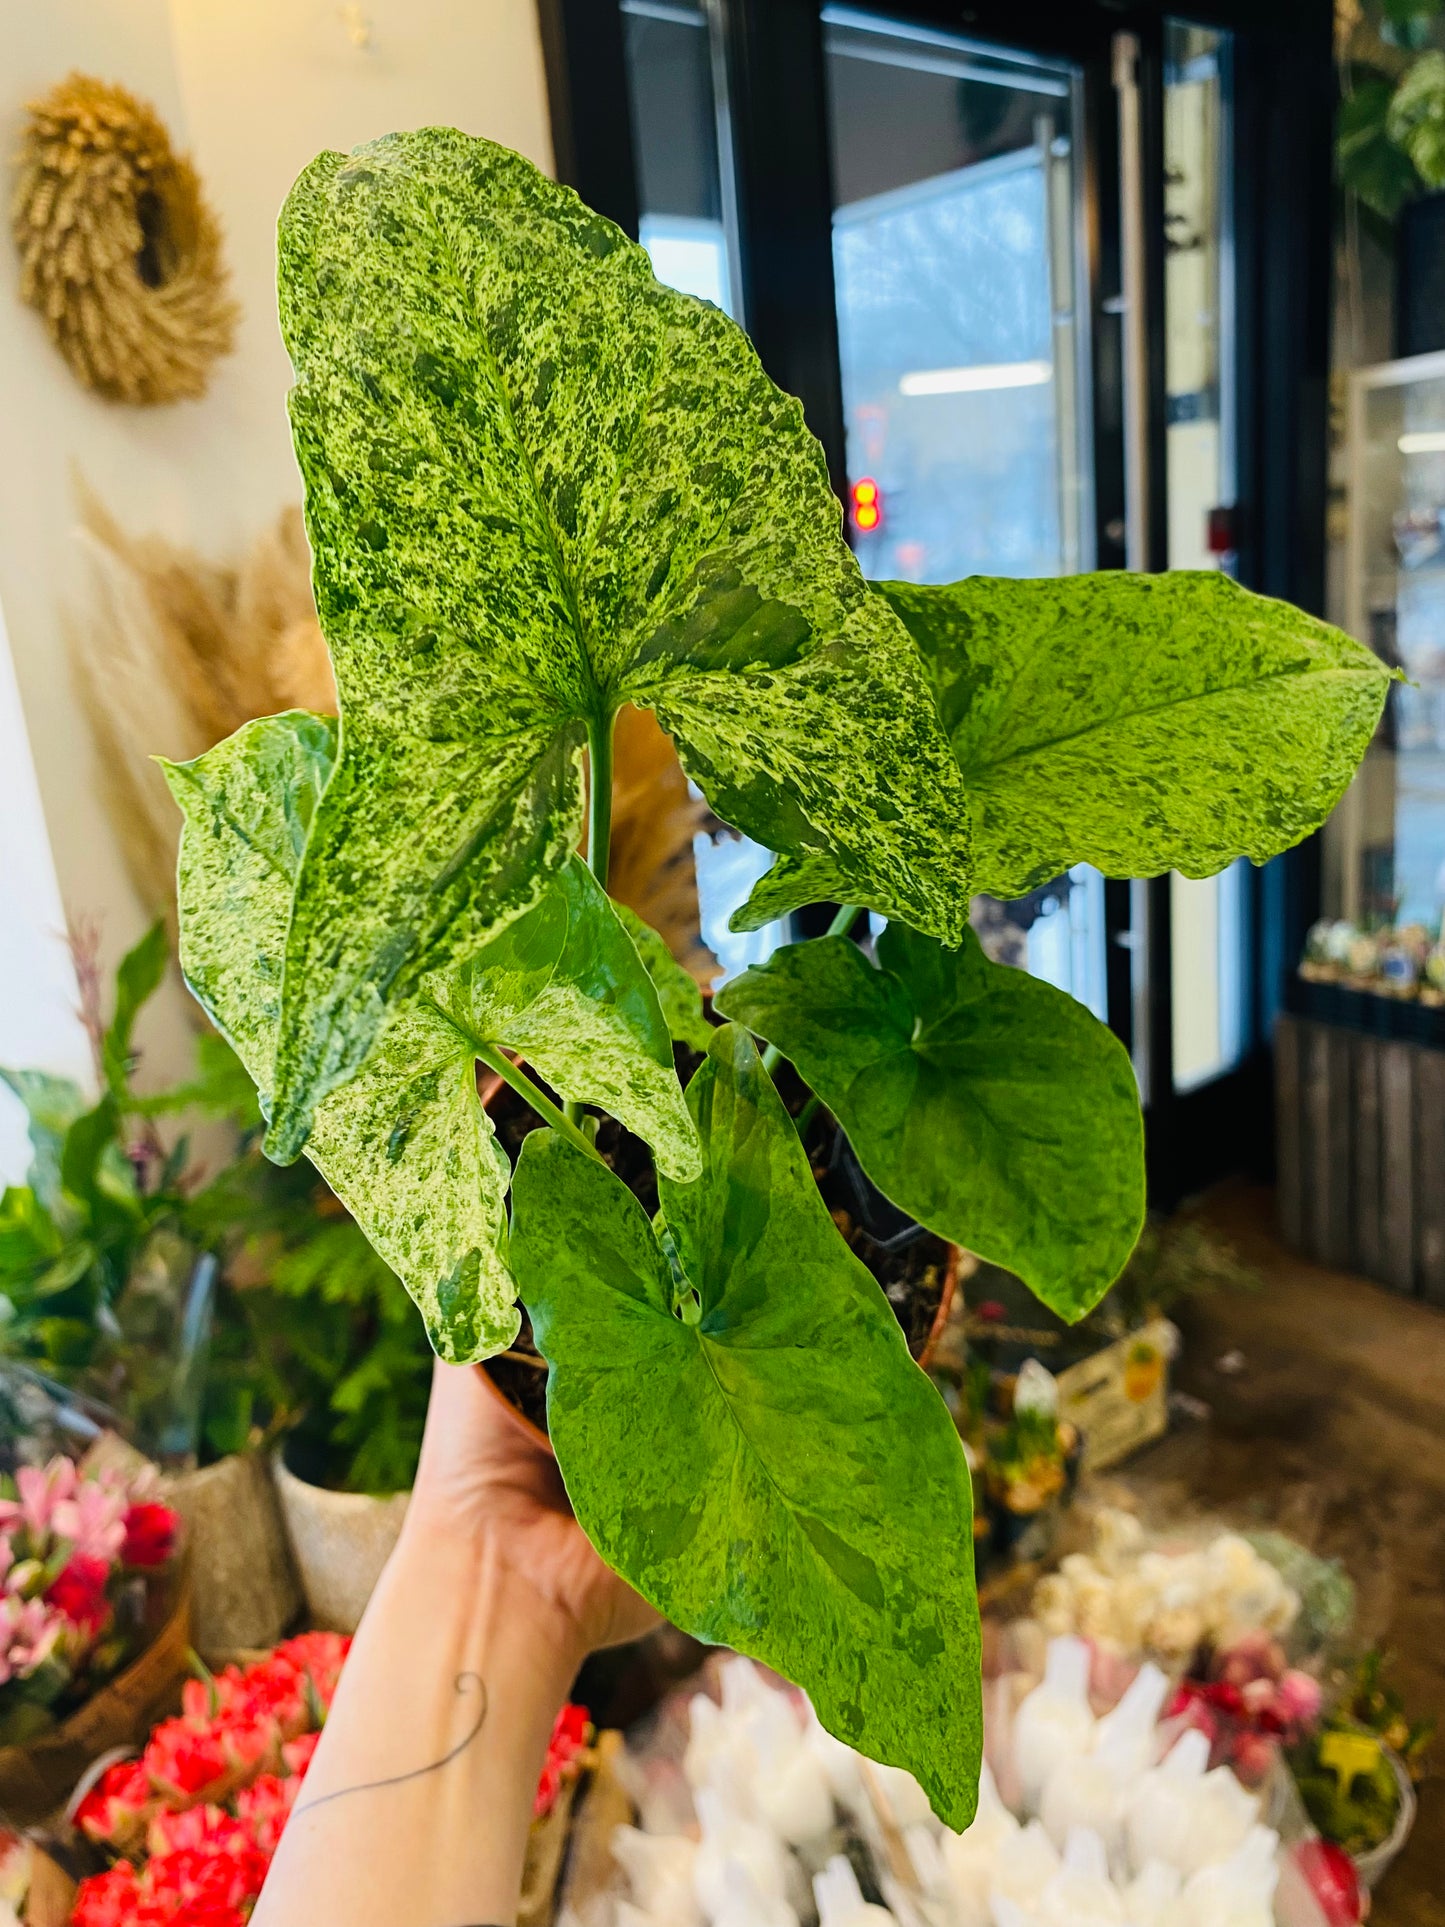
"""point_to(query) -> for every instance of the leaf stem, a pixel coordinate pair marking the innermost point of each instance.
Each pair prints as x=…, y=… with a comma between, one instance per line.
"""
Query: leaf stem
x=534, y=1095
x=843, y=921
x=599, y=795
x=599, y=817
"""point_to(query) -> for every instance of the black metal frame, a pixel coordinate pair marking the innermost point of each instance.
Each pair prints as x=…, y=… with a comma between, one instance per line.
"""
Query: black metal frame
x=1283, y=97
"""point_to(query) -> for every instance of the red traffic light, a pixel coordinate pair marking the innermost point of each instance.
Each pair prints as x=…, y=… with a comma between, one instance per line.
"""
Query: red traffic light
x=867, y=505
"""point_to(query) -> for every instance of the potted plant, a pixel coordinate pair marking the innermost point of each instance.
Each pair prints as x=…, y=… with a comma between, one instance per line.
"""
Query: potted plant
x=538, y=485
x=319, y=1365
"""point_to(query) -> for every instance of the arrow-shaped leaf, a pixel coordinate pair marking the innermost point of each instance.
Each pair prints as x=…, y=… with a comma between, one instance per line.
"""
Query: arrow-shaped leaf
x=992, y=1107
x=406, y=1144
x=1140, y=723
x=753, y=1448
x=538, y=485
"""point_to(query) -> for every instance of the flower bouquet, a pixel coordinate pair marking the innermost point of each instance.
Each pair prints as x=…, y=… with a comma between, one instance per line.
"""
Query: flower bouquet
x=88, y=1579
x=190, y=1827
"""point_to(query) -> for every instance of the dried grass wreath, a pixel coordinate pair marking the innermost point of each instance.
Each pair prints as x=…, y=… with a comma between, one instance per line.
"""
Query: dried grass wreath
x=120, y=252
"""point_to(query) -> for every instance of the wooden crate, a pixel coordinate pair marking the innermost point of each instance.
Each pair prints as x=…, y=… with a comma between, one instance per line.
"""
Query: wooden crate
x=1361, y=1153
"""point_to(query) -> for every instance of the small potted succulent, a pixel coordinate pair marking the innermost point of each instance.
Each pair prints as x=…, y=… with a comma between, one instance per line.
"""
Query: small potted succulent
x=540, y=485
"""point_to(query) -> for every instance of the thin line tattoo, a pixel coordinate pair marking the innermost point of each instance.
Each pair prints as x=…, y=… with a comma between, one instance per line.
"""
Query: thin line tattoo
x=464, y=1683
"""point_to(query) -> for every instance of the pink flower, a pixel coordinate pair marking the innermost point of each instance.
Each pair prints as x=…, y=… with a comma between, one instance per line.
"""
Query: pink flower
x=30, y=1631
x=1299, y=1698
x=91, y=1520
x=39, y=1494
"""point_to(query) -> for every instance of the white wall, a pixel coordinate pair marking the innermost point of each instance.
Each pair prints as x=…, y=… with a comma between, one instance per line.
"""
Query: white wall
x=254, y=88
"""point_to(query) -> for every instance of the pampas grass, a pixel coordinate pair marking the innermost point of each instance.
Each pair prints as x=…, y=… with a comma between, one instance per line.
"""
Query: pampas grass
x=175, y=653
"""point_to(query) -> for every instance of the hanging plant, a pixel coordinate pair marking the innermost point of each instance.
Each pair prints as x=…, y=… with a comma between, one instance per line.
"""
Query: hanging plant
x=119, y=251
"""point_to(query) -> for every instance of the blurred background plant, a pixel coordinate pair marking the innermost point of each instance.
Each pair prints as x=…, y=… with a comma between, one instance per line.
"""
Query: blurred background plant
x=210, y=1313
x=1390, y=136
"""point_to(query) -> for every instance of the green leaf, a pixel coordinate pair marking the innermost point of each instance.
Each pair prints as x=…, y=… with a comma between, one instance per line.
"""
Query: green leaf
x=83, y=1155
x=222, y=1087
x=677, y=988
x=539, y=485
x=565, y=987
x=52, y=1105
x=136, y=982
x=990, y=1106
x=1416, y=118
x=775, y=1475
x=405, y=1144
x=1139, y=723
x=1370, y=164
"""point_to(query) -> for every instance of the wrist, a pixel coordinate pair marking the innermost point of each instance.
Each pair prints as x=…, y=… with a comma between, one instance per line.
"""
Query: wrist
x=473, y=1568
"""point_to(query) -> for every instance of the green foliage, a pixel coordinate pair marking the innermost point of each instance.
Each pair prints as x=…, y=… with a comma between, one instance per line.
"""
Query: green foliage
x=313, y=1334
x=944, y=1071
x=540, y=485
x=1415, y=121
x=819, y=1519
x=406, y=1143
x=1370, y=164
x=316, y=1339
x=677, y=990
x=1139, y=723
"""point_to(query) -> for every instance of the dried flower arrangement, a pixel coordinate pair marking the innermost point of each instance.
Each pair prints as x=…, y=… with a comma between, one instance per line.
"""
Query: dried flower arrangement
x=119, y=250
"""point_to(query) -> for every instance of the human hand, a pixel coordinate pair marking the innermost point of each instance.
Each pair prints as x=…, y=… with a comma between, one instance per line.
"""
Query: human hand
x=482, y=1476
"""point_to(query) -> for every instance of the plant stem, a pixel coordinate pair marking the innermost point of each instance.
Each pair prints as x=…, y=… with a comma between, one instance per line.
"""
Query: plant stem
x=599, y=820
x=532, y=1094
x=599, y=796
x=842, y=923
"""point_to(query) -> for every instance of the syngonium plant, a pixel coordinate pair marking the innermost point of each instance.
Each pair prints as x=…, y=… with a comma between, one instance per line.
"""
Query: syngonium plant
x=540, y=485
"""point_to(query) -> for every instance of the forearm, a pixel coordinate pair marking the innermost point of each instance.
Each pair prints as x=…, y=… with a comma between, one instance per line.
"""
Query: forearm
x=416, y=1807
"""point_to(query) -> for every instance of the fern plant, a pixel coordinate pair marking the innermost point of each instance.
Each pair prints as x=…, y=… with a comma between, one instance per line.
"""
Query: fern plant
x=540, y=485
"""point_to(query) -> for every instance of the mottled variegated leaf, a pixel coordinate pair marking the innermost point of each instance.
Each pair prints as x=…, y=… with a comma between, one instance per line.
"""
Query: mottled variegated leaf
x=677, y=989
x=406, y=1145
x=565, y=987
x=769, y=1467
x=539, y=484
x=1139, y=723
x=992, y=1107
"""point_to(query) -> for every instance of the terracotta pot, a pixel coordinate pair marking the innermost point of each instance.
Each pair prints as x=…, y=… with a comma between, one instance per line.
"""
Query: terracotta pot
x=244, y=1590
x=36, y=1779
x=340, y=1541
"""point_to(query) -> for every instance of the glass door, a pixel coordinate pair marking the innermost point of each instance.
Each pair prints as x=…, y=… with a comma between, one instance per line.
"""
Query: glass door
x=964, y=342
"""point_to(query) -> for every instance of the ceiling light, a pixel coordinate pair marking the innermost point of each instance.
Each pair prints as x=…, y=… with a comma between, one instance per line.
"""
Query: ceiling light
x=1427, y=441
x=972, y=381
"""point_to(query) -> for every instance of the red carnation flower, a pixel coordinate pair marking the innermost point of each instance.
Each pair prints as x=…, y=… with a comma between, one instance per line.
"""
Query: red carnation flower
x=79, y=1592
x=150, y=1535
x=115, y=1806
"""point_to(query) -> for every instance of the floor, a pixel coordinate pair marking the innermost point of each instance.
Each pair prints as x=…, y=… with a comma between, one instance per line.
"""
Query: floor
x=1328, y=1420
